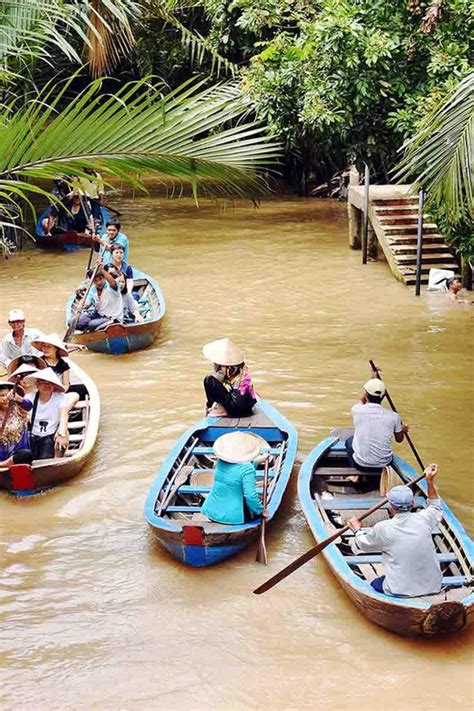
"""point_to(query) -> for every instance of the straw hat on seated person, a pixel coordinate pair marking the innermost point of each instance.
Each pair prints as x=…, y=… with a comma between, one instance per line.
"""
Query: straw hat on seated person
x=223, y=352
x=35, y=362
x=237, y=447
x=52, y=339
x=47, y=376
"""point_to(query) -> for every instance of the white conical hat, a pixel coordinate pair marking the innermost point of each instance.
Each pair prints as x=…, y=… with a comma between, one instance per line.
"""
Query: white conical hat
x=237, y=447
x=51, y=339
x=23, y=370
x=49, y=376
x=223, y=352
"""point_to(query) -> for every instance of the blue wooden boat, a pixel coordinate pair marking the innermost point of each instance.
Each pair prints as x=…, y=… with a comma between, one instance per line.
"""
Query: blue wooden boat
x=173, y=506
x=118, y=338
x=329, y=498
x=69, y=240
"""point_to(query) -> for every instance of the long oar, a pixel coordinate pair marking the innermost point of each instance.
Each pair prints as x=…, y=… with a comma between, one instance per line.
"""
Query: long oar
x=80, y=309
x=320, y=547
x=262, y=549
x=89, y=217
x=375, y=371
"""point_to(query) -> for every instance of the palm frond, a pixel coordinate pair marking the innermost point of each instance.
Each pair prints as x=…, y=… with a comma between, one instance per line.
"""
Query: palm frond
x=178, y=137
x=110, y=36
x=439, y=158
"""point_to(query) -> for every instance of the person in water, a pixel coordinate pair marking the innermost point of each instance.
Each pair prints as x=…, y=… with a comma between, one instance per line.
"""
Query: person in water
x=104, y=303
x=234, y=489
x=14, y=439
x=411, y=566
x=18, y=342
x=49, y=435
x=374, y=426
x=54, y=351
x=229, y=389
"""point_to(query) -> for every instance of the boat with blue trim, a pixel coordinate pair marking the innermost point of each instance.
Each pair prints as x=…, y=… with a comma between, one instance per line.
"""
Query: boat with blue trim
x=173, y=506
x=83, y=425
x=119, y=338
x=331, y=492
x=69, y=240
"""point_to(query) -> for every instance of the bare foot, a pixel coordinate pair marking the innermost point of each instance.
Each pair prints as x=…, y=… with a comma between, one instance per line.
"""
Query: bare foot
x=217, y=411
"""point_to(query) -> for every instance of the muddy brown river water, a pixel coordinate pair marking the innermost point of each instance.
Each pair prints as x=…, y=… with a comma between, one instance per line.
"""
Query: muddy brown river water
x=94, y=614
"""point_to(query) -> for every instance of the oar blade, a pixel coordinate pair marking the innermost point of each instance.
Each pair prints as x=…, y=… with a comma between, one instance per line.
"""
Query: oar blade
x=275, y=579
x=261, y=556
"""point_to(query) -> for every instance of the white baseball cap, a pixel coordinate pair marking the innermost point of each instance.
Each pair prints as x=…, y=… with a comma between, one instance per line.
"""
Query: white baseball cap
x=375, y=387
x=16, y=315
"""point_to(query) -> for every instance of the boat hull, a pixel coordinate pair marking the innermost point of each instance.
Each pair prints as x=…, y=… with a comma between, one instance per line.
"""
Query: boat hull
x=427, y=616
x=202, y=543
x=70, y=241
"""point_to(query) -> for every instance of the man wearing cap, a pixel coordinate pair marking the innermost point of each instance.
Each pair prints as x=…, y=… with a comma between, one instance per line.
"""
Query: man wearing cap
x=18, y=342
x=411, y=566
x=374, y=426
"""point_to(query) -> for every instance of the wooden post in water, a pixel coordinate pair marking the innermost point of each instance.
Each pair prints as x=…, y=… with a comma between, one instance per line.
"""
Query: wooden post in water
x=419, y=242
x=365, y=233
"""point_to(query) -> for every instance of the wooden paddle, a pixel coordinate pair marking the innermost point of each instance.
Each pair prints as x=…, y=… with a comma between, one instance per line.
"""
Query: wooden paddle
x=375, y=371
x=313, y=552
x=261, y=556
x=80, y=309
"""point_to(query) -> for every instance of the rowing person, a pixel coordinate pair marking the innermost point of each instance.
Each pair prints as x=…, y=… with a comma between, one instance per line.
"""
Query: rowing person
x=229, y=389
x=233, y=498
x=374, y=426
x=104, y=303
x=411, y=566
x=18, y=342
x=112, y=236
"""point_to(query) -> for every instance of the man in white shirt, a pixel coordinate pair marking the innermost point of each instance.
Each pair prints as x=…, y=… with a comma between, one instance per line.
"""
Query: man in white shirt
x=18, y=342
x=411, y=566
x=374, y=426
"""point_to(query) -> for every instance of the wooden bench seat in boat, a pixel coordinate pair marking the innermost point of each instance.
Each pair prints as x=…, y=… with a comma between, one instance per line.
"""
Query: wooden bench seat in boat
x=343, y=472
x=341, y=503
x=210, y=450
x=377, y=558
x=364, y=529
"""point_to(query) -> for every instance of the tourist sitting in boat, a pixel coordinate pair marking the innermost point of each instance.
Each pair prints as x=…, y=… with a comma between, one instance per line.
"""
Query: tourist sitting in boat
x=411, y=566
x=131, y=309
x=49, y=224
x=49, y=436
x=374, y=426
x=76, y=218
x=54, y=351
x=104, y=303
x=14, y=438
x=233, y=498
x=112, y=236
x=229, y=389
x=18, y=342
x=122, y=266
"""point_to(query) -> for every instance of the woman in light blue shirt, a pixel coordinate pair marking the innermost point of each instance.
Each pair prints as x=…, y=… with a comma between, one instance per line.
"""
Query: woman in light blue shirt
x=234, y=486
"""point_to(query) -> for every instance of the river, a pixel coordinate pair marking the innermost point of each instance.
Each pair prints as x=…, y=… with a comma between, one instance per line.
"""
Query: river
x=94, y=614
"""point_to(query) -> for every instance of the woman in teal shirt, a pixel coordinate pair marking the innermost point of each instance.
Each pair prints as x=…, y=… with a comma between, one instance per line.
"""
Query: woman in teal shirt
x=238, y=454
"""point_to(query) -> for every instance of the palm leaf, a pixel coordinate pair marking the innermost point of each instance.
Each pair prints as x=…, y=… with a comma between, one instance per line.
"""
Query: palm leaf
x=178, y=137
x=439, y=158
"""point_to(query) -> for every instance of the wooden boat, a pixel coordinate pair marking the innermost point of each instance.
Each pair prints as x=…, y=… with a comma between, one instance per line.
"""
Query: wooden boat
x=117, y=338
x=173, y=506
x=329, y=499
x=69, y=240
x=83, y=427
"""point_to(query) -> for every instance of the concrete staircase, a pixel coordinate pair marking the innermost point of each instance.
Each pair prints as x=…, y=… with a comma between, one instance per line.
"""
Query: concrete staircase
x=398, y=220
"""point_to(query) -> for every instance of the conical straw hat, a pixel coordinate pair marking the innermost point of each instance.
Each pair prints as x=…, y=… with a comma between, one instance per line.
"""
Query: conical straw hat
x=223, y=352
x=35, y=361
x=51, y=339
x=48, y=376
x=23, y=370
x=237, y=447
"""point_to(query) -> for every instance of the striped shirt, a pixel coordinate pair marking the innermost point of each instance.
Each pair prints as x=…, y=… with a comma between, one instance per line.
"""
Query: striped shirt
x=374, y=427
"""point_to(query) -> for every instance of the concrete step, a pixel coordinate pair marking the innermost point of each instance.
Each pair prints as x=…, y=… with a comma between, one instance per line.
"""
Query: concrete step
x=426, y=253
x=396, y=209
x=431, y=239
x=427, y=259
x=407, y=270
x=401, y=220
x=395, y=202
x=430, y=227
